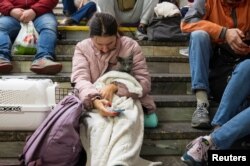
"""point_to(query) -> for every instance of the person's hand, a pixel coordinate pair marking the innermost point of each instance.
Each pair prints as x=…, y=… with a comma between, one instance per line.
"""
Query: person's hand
x=108, y=91
x=101, y=105
x=234, y=39
x=28, y=15
x=16, y=13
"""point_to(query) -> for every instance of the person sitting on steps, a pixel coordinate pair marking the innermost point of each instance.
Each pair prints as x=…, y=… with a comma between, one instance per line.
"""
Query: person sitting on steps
x=77, y=10
x=141, y=13
x=109, y=45
x=103, y=52
x=231, y=121
x=40, y=12
x=211, y=35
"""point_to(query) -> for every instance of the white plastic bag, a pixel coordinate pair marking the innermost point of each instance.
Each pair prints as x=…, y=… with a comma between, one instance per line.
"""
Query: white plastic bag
x=26, y=40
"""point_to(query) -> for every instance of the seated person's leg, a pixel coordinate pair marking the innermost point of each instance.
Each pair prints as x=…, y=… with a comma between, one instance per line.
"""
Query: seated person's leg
x=147, y=14
x=200, y=51
x=234, y=95
x=68, y=7
x=234, y=129
x=8, y=34
x=85, y=11
x=44, y=59
x=221, y=138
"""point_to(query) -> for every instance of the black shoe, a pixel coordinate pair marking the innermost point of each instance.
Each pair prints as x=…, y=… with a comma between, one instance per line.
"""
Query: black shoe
x=142, y=29
x=141, y=36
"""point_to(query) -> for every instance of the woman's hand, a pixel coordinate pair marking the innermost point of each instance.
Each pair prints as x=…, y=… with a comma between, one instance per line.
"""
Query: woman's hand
x=101, y=105
x=234, y=39
x=108, y=91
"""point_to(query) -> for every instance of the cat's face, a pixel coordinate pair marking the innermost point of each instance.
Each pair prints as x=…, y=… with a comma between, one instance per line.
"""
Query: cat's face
x=124, y=64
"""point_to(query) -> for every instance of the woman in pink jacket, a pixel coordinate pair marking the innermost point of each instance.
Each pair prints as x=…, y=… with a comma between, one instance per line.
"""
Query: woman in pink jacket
x=99, y=54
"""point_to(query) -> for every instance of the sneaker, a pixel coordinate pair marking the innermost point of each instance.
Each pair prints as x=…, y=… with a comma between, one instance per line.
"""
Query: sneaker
x=68, y=21
x=184, y=51
x=46, y=66
x=200, y=118
x=196, y=154
x=5, y=66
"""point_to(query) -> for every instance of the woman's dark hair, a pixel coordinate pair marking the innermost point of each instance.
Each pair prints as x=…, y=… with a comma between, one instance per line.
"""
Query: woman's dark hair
x=103, y=24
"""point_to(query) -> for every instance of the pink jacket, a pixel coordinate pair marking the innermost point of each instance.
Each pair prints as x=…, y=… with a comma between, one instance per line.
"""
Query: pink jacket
x=89, y=64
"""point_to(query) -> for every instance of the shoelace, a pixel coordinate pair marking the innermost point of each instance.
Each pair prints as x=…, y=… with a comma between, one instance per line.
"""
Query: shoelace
x=202, y=148
x=201, y=109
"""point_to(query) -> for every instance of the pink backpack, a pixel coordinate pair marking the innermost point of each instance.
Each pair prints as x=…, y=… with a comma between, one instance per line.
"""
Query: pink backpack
x=56, y=142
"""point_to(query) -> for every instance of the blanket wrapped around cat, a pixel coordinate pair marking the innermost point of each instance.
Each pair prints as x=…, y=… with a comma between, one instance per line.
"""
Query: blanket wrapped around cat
x=116, y=140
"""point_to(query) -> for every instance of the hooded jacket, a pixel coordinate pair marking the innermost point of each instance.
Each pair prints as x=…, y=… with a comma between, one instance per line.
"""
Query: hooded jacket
x=39, y=6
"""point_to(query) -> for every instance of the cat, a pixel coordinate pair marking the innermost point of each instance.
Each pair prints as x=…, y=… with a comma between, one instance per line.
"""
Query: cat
x=124, y=64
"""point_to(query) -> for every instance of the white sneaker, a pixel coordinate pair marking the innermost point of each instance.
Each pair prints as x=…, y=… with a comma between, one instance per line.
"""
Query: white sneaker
x=184, y=51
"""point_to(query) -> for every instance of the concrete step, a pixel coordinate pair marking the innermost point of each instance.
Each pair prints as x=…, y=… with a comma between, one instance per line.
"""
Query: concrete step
x=167, y=160
x=165, y=131
x=167, y=139
x=150, y=48
x=162, y=84
x=156, y=64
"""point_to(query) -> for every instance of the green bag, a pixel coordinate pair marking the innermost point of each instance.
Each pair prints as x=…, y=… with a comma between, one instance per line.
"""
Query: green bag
x=126, y=5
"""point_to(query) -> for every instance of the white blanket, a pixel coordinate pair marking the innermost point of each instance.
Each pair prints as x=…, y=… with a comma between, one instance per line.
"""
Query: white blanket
x=116, y=141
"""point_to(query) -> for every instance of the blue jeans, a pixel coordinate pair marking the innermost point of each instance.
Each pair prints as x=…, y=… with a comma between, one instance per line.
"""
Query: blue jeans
x=85, y=11
x=46, y=26
x=200, y=52
x=234, y=120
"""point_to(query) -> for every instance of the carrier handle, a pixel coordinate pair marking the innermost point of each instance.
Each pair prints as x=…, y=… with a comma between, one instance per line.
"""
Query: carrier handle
x=11, y=77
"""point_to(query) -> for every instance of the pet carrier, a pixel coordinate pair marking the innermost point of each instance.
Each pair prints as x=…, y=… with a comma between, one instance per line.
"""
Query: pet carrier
x=24, y=103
